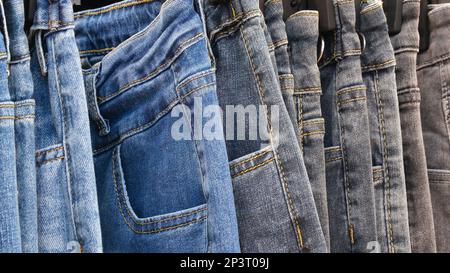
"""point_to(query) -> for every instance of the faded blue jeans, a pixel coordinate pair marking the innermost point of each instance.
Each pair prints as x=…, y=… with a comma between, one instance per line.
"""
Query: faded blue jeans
x=10, y=240
x=68, y=216
x=163, y=184
x=21, y=89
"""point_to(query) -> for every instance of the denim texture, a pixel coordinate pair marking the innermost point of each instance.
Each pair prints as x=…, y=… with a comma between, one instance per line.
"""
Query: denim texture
x=21, y=89
x=378, y=64
x=10, y=238
x=274, y=201
x=68, y=216
x=156, y=193
x=433, y=72
x=420, y=212
x=303, y=33
x=351, y=200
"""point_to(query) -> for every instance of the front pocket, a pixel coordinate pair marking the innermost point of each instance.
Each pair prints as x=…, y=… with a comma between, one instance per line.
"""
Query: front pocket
x=148, y=224
x=440, y=196
x=263, y=217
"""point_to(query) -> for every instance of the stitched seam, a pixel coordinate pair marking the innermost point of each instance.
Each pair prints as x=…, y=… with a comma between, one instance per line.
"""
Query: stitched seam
x=116, y=7
x=436, y=59
x=96, y=50
x=333, y=159
x=129, y=85
x=237, y=18
x=49, y=160
x=378, y=65
x=49, y=151
x=250, y=159
x=313, y=122
x=351, y=89
x=300, y=123
x=253, y=168
x=351, y=100
x=286, y=76
x=283, y=179
x=300, y=90
x=373, y=7
x=385, y=157
x=321, y=132
x=16, y=105
x=17, y=118
x=304, y=13
x=280, y=43
x=201, y=75
x=328, y=150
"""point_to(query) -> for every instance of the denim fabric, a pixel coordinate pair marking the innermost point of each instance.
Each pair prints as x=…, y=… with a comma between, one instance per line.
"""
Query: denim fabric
x=273, y=15
x=21, y=89
x=68, y=217
x=303, y=33
x=10, y=240
x=274, y=201
x=420, y=212
x=378, y=64
x=156, y=193
x=351, y=201
x=433, y=72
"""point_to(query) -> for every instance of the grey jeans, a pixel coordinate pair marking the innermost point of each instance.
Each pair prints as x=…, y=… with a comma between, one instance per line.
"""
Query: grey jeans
x=433, y=72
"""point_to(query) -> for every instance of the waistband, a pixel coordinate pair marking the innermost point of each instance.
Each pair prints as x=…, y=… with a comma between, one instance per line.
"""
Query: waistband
x=378, y=52
x=408, y=38
x=344, y=41
x=439, y=50
x=225, y=16
x=303, y=32
x=14, y=11
x=53, y=15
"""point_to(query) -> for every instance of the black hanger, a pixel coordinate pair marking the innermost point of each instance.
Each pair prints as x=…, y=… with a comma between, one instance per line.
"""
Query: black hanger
x=393, y=9
x=424, y=30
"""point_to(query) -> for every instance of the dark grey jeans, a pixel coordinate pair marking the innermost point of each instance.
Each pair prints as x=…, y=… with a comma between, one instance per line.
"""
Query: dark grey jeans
x=433, y=72
x=420, y=212
x=378, y=64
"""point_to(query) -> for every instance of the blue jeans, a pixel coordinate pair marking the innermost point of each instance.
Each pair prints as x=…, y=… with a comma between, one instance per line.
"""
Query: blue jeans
x=10, y=240
x=21, y=89
x=274, y=202
x=68, y=216
x=162, y=186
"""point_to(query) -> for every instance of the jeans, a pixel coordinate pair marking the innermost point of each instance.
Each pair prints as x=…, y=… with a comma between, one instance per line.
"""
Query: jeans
x=433, y=72
x=420, y=212
x=303, y=33
x=163, y=184
x=68, y=216
x=10, y=238
x=378, y=64
x=21, y=89
x=273, y=197
x=351, y=201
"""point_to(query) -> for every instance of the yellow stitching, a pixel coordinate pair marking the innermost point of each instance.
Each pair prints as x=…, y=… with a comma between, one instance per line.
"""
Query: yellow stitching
x=124, y=5
x=313, y=133
x=49, y=151
x=196, y=89
x=26, y=117
x=371, y=8
x=351, y=100
x=280, y=43
x=279, y=163
x=195, y=78
x=333, y=159
x=286, y=76
x=250, y=159
x=96, y=50
x=154, y=72
x=17, y=118
x=16, y=105
x=378, y=65
x=254, y=167
x=317, y=88
x=337, y=149
x=351, y=233
x=304, y=13
x=313, y=122
x=351, y=89
x=238, y=17
x=50, y=160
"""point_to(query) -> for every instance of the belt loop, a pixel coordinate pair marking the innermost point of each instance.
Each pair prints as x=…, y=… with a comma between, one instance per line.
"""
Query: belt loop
x=40, y=52
x=94, y=111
